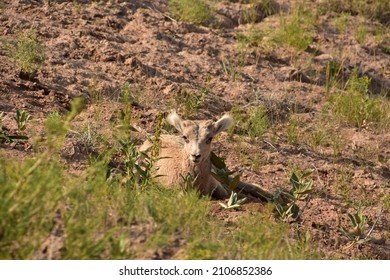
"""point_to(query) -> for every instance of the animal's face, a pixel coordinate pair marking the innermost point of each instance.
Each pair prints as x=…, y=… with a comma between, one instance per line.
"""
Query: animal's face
x=198, y=135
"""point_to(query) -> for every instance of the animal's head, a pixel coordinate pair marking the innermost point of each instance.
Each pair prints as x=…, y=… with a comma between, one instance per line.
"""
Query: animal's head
x=198, y=135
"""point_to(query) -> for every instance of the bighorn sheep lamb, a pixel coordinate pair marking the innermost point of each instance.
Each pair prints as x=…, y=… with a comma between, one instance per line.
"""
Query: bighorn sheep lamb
x=190, y=154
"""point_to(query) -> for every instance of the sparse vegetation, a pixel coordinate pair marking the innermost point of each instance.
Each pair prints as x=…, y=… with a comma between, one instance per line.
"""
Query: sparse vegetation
x=343, y=180
x=230, y=69
x=285, y=202
x=257, y=9
x=21, y=119
x=252, y=122
x=341, y=22
x=90, y=215
x=361, y=33
x=296, y=30
x=357, y=107
x=376, y=9
x=359, y=223
x=233, y=202
x=195, y=11
x=27, y=52
x=190, y=101
x=293, y=132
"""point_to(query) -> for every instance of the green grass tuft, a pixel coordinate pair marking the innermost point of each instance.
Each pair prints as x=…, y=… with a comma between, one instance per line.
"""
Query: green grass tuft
x=194, y=11
x=253, y=122
x=357, y=107
x=28, y=52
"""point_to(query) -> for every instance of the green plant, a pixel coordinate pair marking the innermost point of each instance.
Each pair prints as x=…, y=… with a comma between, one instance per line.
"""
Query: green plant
x=257, y=9
x=196, y=11
x=343, y=179
x=223, y=174
x=136, y=167
x=252, y=38
x=77, y=6
x=229, y=68
x=357, y=107
x=359, y=223
x=376, y=9
x=2, y=6
x=27, y=52
x=126, y=99
x=285, y=201
x=89, y=138
x=233, y=202
x=293, y=132
x=22, y=117
x=189, y=102
x=95, y=92
x=341, y=22
x=297, y=30
x=361, y=33
x=57, y=126
x=252, y=122
x=334, y=71
x=385, y=49
x=188, y=182
x=386, y=202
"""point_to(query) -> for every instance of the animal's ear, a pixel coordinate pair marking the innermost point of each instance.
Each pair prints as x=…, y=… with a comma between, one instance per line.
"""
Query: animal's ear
x=175, y=120
x=223, y=124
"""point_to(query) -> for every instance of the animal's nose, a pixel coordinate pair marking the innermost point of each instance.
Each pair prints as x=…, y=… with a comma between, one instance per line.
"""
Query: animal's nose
x=196, y=156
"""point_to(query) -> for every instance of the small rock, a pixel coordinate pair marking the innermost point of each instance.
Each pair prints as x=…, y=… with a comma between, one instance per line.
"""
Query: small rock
x=323, y=57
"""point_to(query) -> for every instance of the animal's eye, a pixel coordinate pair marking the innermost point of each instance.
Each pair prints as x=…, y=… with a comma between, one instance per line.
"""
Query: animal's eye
x=185, y=138
x=208, y=141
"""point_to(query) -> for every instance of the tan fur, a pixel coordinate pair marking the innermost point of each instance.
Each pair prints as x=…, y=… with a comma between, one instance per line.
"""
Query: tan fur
x=190, y=155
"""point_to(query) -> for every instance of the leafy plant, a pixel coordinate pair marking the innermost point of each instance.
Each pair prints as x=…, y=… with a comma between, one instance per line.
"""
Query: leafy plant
x=234, y=202
x=27, y=52
x=188, y=182
x=222, y=173
x=136, y=167
x=358, y=225
x=285, y=201
x=22, y=117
